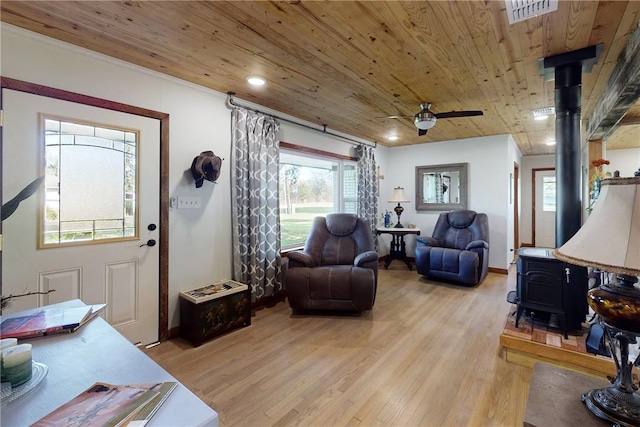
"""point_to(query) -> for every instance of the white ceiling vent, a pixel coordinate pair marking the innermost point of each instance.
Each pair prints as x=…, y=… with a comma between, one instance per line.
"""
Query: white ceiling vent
x=521, y=10
x=544, y=111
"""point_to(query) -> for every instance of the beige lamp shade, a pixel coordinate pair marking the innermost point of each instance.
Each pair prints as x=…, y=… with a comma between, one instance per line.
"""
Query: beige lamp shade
x=398, y=196
x=610, y=238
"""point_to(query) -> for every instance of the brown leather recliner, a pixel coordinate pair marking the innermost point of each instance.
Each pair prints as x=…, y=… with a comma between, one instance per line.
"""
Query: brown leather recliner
x=338, y=268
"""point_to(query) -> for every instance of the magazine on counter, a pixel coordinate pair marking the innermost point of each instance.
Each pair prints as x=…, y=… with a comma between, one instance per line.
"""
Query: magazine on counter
x=111, y=405
x=48, y=321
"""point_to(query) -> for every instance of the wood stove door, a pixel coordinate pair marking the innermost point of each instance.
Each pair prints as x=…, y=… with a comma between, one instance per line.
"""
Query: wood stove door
x=540, y=284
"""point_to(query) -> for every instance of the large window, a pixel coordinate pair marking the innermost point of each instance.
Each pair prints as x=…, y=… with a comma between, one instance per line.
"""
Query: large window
x=312, y=185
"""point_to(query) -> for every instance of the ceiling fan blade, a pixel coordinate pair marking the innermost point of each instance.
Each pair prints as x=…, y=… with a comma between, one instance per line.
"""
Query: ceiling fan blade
x=394, y=117
x=454, y=114
x=422, y=132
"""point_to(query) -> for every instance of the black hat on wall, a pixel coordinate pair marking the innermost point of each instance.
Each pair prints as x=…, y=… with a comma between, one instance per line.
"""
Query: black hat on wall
x=206, y=166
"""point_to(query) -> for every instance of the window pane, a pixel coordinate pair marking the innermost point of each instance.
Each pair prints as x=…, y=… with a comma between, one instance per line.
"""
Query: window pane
x=90, y=180
x=549, y=193
x=312, y=186
x=350, y=188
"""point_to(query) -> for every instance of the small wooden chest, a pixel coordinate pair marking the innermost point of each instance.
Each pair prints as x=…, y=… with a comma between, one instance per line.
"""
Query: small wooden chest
x=212, y=310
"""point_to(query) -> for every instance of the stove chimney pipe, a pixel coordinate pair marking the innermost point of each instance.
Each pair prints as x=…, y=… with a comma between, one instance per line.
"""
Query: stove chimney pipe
x=566, y=69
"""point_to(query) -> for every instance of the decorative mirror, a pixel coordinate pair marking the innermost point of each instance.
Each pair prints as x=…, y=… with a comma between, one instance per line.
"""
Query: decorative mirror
x=441, y=187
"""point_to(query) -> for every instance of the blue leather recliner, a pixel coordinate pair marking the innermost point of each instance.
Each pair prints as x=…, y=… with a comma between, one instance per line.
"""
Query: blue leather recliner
x=458, y=251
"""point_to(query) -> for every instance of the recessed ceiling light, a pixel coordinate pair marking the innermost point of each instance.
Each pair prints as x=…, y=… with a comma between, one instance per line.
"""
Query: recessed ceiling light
x=392, y=137
x=550, y=143
x=540, y=117
x=256, y=80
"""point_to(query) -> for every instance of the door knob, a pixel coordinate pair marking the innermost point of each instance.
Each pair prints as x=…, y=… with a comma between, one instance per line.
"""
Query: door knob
x=149, y=243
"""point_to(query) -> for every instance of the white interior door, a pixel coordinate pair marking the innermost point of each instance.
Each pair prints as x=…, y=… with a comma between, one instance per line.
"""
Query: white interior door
x=545, y=209
x=120, y=272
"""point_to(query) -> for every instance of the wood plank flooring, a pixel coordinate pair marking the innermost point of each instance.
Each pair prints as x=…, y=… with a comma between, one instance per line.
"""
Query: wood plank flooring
x=428, y=354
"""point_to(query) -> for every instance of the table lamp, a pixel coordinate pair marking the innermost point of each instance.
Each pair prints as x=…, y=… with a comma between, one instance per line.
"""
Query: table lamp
x=610, y=241
x=398, y=197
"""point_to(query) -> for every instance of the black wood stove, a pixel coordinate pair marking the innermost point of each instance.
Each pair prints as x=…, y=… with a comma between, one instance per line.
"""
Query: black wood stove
x=547, y=286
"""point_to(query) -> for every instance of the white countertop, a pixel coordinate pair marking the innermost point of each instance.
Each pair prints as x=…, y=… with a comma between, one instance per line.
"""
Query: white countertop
x=97, y=352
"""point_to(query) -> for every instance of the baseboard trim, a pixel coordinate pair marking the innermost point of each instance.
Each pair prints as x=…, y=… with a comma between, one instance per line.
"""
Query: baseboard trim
x=173, y=333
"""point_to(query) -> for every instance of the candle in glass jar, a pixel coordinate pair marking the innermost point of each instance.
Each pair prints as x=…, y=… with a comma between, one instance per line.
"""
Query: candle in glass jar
x=5, y=343
x=16, y=364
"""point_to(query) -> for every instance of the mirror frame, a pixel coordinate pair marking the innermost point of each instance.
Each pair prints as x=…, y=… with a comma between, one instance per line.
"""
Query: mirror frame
x=461, y=168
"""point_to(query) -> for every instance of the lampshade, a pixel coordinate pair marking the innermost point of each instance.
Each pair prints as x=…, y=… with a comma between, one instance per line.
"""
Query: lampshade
x=610, y=238
x=398, y=196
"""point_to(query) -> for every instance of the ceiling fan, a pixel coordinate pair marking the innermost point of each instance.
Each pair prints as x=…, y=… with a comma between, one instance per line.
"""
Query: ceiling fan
x=426, y=119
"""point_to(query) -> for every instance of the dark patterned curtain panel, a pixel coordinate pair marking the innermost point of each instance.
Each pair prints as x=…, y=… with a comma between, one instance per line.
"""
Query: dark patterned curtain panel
x=255, y=212
x=368, y=187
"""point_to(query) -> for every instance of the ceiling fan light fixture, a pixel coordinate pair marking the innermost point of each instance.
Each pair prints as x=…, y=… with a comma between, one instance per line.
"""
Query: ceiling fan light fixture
x=256, y=80
x=424, y=121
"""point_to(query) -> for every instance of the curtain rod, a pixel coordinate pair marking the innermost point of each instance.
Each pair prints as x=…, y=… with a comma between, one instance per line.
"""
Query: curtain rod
x=231, y=102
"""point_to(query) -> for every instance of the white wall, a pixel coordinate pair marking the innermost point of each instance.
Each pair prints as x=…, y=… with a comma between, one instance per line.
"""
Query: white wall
x=490, y=163
x=528, y=164
x=514, y=157
x=626, y=161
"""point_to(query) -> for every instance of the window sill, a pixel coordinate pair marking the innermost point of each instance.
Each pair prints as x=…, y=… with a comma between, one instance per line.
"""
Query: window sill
x=284, y=252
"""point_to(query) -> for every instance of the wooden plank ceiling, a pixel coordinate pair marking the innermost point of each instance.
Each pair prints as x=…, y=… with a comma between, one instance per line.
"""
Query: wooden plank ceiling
x=343, y=64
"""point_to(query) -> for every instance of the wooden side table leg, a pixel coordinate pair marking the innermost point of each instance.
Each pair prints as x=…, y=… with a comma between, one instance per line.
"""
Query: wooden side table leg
x=403, y=253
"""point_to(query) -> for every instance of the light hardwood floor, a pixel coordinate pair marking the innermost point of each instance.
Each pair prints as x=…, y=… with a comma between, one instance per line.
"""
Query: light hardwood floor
x=428, y=354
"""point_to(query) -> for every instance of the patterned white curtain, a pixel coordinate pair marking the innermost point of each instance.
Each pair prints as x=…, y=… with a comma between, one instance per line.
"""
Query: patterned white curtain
x=439, y=189
x=368, y=187
x=254, y=198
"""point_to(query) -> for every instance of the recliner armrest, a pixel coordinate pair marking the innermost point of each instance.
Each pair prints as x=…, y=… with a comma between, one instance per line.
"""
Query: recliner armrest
x=301, y=259
x=365, y=257
x=429, y=241
x=477, y=244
